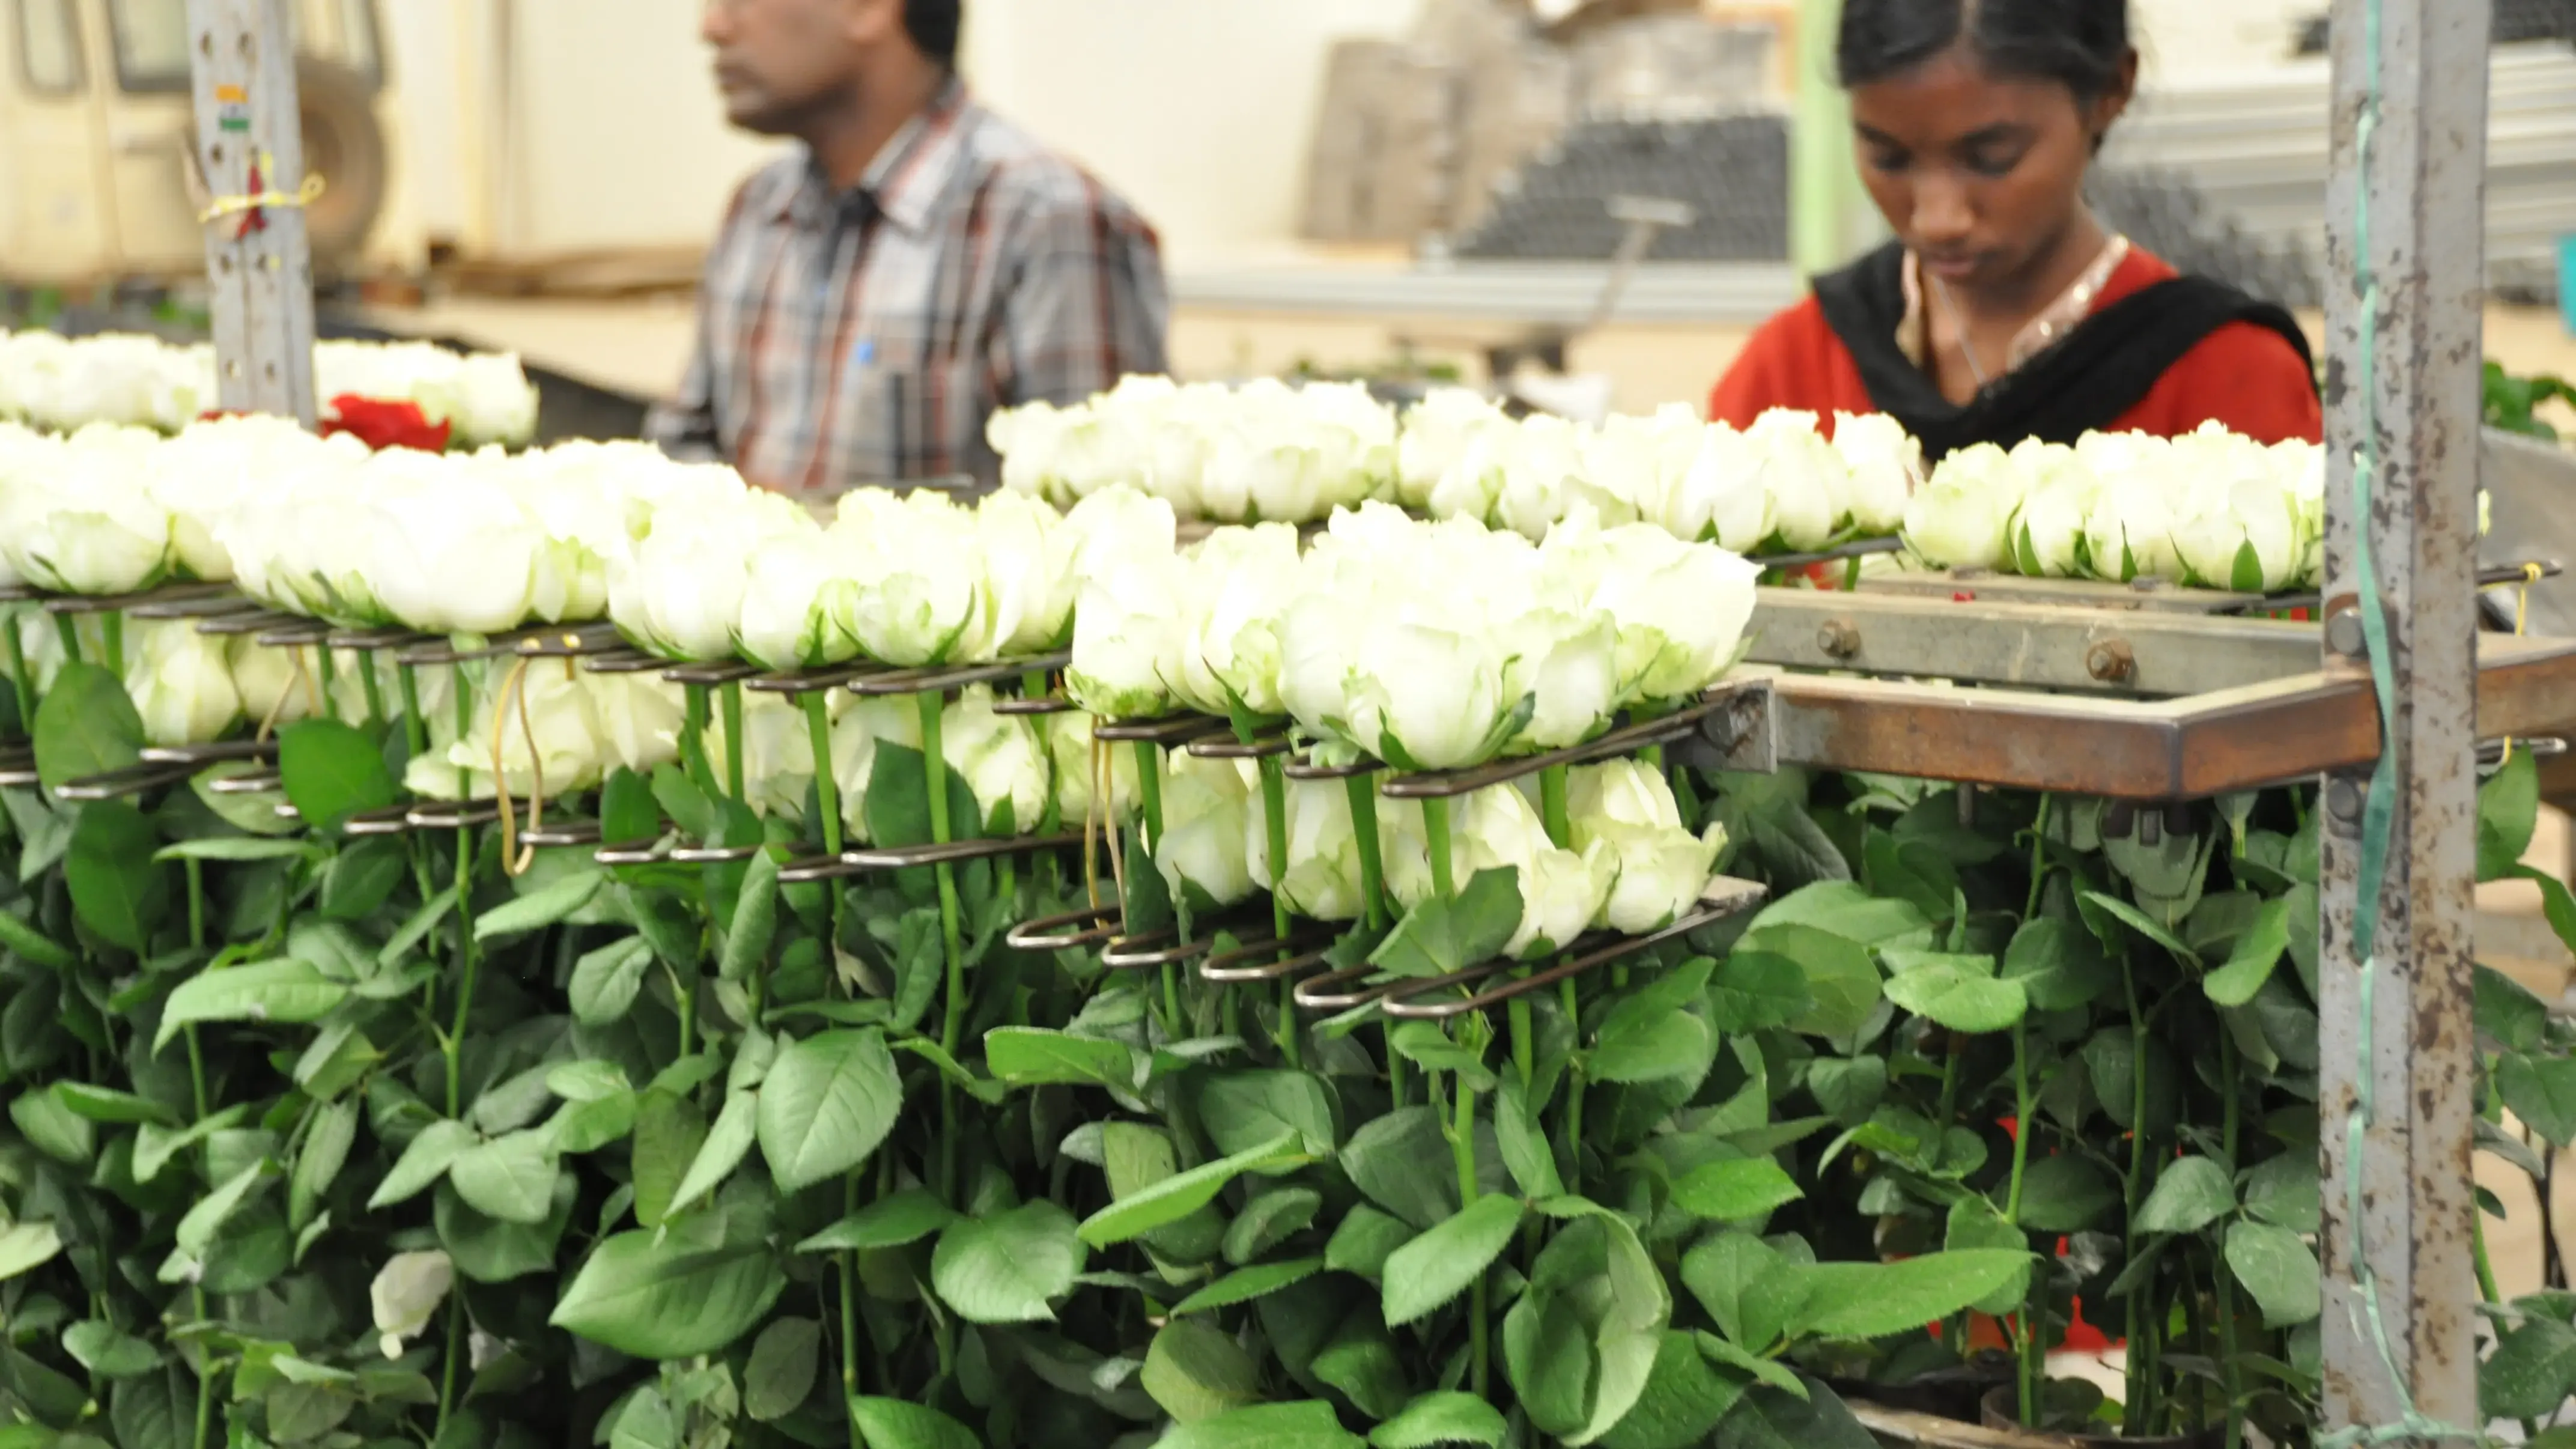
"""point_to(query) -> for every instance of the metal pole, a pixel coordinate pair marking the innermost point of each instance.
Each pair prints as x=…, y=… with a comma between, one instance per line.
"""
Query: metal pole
x=251, y=152
x=2405, y=243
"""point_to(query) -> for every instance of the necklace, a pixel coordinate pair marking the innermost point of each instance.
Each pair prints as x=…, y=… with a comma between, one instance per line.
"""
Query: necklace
x=1967, y=345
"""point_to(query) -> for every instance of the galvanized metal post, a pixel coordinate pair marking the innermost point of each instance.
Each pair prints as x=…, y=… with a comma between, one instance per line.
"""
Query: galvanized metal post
x=2406, y=269
x=251, y=152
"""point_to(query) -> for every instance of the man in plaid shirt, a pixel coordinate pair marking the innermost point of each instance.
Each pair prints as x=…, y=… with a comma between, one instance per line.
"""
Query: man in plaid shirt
x=918, y=264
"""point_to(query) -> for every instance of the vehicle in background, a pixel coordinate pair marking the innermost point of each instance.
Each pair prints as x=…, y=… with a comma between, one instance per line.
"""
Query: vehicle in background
x=97, y=119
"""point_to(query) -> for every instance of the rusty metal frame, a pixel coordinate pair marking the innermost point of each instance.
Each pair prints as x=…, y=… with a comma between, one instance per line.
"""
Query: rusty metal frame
x=2187, y=748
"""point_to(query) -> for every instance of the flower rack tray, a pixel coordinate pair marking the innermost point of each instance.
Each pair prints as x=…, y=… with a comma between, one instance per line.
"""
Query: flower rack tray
x=2147, y=706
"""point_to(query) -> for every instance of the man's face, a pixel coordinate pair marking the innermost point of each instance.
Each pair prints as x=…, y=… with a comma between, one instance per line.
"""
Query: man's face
x=779, y=61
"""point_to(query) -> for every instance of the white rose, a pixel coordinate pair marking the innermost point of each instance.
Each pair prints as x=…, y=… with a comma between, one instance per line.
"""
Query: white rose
x=797, y=594
x=1069, y=745
x=860, y=726
x=1026, y=552
x=1208, y=808
x=2256, y=545
x=679, y=593
x=1806, y=478
x=1721, y=495
x=1001, y=759
x=1886, y=466
x=916, y=597
x=182, y=683
x=1427, y=697
x=1437, y=433
x=2130, y=533
x=1323, y=881
x=449, y=550
x=76, y=519
x=406, y=1295
x=1124, y=637
x=1238, y=584
x=777, y=753
x=551, y=712
x=1681, y=608
x=2048, y=531
x=1663, y=869
x=1963, y=519
x=1568, y=664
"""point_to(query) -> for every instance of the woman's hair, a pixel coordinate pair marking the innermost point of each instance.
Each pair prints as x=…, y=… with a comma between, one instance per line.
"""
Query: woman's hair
x=2079, y=43
x=933, y=25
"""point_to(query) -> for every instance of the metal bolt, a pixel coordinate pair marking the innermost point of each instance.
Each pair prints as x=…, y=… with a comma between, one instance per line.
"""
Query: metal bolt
x=2151, y=828
x=1838, y=639
x=2344, y=634
x=2344, y=801
x=2112, y=661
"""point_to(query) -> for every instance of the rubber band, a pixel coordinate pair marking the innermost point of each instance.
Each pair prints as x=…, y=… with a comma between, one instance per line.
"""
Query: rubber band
x=302, y=196
x=517, y=859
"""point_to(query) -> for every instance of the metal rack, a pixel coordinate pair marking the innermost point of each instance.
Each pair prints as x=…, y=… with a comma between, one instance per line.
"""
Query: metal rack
x=2144, y=705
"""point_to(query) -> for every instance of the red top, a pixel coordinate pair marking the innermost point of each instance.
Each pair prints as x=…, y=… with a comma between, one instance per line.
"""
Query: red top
x=2248, y=378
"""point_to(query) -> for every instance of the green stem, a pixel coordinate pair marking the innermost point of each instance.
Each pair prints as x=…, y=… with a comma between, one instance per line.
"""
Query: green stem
x=1552, y=807
x=415, y=729
x=1274, y=809
x=2221, y=1277
x=2038, y=858
x=1462, y=1147
x=70, y=632
x=733, y=743
x=952, y=1027
x=20, y=678
x=458, y=1346
x=1362, y=790
x=1435, y=829
x=827, y=794
x=2140, y=1405
x=1572, y=1006
x=2034, y=1314
x=111, y=626
x=326, y=670
x=1149, y=786
x=374, y=687
x=453, y=1047
x=693, y=742
x=827, y=788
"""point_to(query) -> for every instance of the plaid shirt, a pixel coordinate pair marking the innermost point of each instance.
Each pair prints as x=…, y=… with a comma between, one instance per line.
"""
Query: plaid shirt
x=867, y=337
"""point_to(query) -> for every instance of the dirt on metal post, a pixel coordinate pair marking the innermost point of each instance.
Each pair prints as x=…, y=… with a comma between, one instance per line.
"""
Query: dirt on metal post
x=2406, y=270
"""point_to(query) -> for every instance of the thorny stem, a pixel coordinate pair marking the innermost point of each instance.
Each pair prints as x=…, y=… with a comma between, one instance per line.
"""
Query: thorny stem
x=326, y=670
x=70, y=632
x=1274, y=808
x=112, y=626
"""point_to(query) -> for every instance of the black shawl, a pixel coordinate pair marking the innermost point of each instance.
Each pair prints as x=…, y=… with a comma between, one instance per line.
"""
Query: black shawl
x=2082, y=384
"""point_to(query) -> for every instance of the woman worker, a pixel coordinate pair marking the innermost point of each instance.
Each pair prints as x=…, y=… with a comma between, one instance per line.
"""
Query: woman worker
x=2005, y=310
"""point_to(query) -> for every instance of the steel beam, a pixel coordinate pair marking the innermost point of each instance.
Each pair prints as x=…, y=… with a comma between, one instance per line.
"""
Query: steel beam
x=2405, y=241
x=250, y=149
